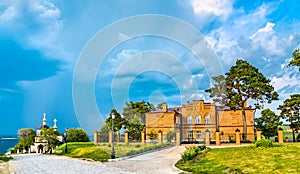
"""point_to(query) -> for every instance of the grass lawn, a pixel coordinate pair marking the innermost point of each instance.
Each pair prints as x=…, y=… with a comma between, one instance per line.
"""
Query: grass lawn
x=103, y=152
x=280, y=159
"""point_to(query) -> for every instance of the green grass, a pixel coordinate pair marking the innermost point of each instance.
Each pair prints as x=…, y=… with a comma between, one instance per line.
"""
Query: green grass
x=103, y=152
x=278, y=159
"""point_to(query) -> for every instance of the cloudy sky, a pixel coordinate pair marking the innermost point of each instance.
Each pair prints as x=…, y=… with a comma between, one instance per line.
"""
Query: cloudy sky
x=45, y=45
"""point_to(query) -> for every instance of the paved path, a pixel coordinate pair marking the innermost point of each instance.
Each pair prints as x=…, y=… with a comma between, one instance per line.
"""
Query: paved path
x=156, y=162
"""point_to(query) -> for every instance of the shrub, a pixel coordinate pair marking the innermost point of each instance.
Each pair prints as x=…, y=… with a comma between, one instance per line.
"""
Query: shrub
x=264, y=143
x=190, y=153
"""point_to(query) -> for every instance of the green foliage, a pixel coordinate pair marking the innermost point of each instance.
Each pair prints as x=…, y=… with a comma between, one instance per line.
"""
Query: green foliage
x=159, y=106
x=241, y=83
x=170, y=135
x=266, y=143
x=102, y=152
x=135, y=127
x=134, y=114
x=290, y=110
x=152, y=134
x=4, y=158
x=190, y=153
x=118, y=121
x=26, y=138
x=268, y=122
x=84, y=150
x=50, y=134
x=296, y=59
x=77, y=135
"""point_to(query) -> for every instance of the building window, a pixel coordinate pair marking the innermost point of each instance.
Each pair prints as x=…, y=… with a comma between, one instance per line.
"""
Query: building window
x=190, y=120
x=207, y=119
x=177, y=120
x=199, y=134
x=190, y=134
x=198, y=120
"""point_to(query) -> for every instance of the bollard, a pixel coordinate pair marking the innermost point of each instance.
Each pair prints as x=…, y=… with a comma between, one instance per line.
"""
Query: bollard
x=280, y=135
x=218, y=142
x=126, y=136
x=258, y=134
x=237, y=137
x=207, y=138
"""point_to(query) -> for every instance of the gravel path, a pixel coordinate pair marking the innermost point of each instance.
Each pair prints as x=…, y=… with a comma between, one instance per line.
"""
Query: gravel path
x=156, y=162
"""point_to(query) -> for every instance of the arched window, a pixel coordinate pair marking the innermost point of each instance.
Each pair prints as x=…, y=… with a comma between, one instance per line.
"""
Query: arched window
x=198, y=119
x=207, y=119
x=190, y=120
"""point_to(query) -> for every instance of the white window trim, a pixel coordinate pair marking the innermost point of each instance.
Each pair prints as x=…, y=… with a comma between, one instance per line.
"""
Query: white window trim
x=198, y=119
x=189, y=120
x=207, y=119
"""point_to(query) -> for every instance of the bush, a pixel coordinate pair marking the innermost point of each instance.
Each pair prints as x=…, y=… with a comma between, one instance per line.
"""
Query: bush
x=264, y=143
x=5, y=158
x=190, y=153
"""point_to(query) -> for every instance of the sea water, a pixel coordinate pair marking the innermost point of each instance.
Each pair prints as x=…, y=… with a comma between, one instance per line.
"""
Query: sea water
x=7, y=142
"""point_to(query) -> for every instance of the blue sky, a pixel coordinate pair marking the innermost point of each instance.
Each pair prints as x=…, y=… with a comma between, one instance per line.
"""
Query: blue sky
x=42, y=41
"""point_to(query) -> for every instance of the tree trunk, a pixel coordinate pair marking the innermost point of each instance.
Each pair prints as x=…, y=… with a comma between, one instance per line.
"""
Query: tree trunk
x=293, y=130
x=244, y=136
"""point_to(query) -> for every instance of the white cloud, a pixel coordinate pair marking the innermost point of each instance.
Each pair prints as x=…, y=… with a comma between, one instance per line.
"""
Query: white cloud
x=287, y=80
x=268, y=30
x=9, y=12
x=219, y=8
x=34, y=24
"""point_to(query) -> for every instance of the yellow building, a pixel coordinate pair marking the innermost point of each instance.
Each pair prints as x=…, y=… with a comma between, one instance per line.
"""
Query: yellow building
x=192, y=120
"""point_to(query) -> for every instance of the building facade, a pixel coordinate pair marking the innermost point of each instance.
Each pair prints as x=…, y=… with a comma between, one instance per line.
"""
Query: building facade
x=192, y=120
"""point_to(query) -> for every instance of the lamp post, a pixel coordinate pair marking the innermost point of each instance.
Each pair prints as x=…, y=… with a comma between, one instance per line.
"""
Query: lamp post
x=113, y=137
x=66, y=149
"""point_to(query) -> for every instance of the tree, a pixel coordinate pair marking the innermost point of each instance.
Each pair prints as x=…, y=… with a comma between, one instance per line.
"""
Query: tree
x=170, y=135
x=135, y=127
x=134, y=113
x=241, y=83
x=296, y=59
x=159, y=106
x=268, y=122
x=290, y=111
x=118, y=120
x=50, y=134
x=77, y=135
x=26, y=137
x=104, y=132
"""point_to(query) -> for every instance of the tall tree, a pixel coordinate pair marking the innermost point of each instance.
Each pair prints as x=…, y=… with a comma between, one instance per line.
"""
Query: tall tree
x=77, y=135
x=290, y=111
x=241, y=83
x=296, y=59
x=50, y=134
x=26, y=137
x=118, y=120
x=268, y=122
x=134, y=113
